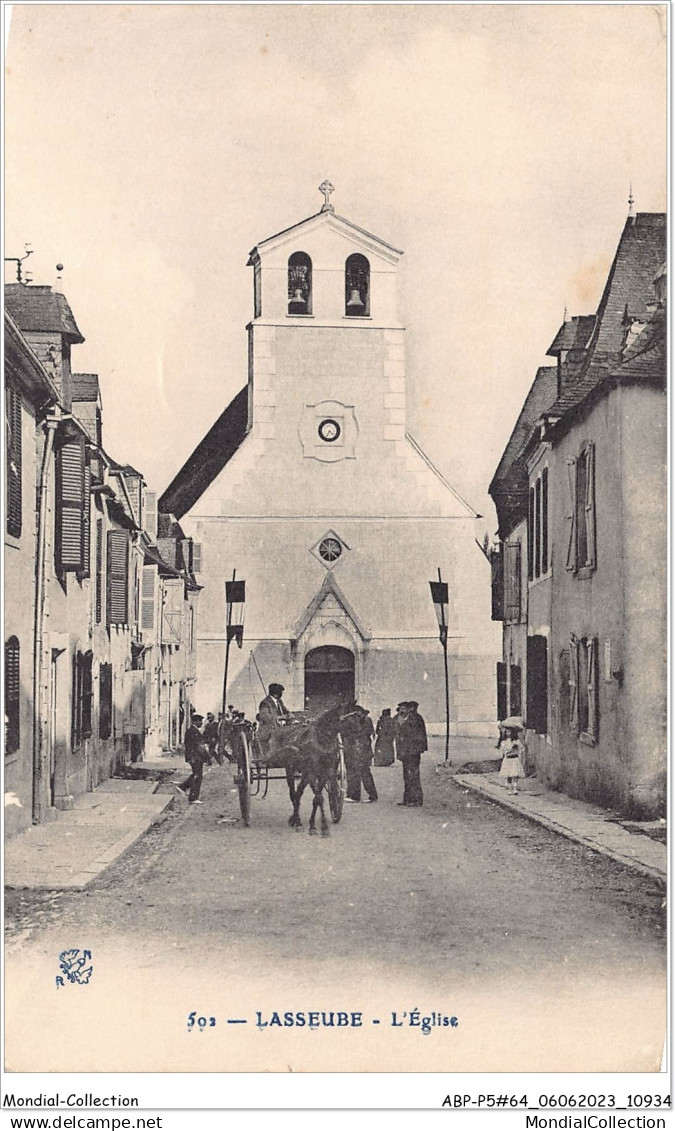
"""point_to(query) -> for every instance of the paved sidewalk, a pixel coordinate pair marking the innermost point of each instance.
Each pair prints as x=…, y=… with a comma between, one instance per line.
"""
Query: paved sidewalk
x=596, y=828
x=71, y=851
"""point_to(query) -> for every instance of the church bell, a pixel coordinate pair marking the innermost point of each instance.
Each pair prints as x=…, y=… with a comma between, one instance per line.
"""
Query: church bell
x=298, y=303
x=355, y=300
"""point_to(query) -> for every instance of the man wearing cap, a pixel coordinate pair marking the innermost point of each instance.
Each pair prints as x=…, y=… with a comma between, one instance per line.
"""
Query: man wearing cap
x=196, y=753
x=270, y=710
x=211, y=739
x=356, y=728
x=411, y=742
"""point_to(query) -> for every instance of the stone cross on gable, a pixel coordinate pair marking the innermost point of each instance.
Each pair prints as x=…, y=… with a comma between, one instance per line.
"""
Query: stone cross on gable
x=327, y=188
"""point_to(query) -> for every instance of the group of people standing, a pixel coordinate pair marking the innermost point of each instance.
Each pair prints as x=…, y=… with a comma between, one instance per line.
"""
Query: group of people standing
x=402, y=737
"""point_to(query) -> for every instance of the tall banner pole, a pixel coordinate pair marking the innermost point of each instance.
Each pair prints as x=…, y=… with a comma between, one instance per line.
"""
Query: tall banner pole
x=228, y=619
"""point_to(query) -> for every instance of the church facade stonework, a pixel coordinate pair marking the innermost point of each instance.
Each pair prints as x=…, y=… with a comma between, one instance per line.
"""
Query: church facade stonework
x=311, y=489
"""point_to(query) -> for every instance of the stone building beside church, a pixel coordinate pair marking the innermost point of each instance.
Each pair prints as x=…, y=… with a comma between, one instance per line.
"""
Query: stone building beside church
x=309, y=486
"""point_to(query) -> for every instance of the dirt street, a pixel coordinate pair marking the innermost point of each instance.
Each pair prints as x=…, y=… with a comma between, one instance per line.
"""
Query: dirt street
x=548, y=956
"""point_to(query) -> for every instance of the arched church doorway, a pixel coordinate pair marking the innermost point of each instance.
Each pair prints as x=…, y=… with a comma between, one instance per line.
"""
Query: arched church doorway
x=329, y=678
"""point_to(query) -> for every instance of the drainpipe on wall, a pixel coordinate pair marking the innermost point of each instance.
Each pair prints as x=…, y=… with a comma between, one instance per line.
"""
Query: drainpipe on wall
x=51, y=424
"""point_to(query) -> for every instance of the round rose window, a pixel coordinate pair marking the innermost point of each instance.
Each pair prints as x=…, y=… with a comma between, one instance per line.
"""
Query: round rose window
x=330, y=549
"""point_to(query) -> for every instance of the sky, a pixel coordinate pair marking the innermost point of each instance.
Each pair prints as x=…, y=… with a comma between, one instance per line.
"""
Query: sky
x=148, y=148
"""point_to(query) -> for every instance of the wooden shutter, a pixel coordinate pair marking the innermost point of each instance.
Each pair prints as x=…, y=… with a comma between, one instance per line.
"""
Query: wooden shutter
x=87, y=693
x=105, y=680
x=150, y=514
x=172, y=612
x=515, y=693
x=197, y=557
x=537, y=536
x=98, y=595
x=574, y=684
x=134, y=709
x=148, y=598
x=497, y=572
x=512, y=587
x=590, y=506
x=530, y=535
x=12, y=695
x=118, y=577
x=14, y=476
x=592, y=653
x=86, y=521
x=537, y=684
x=544, y=521
x=70, y=478
x=502, y=709
x=571, y=514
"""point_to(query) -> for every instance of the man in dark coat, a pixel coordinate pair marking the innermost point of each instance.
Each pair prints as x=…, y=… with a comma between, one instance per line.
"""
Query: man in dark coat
x=411, y=742
x=211, y=739
x=357, y=732
x=196, y=753
x=270, y=710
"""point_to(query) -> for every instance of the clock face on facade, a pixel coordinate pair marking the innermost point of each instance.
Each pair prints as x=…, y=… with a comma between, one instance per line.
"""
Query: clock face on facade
x=329, y=430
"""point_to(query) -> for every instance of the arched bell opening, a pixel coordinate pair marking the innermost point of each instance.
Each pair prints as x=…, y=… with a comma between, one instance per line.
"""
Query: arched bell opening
x=329, y=678
x=299, y=283
x=357, y=287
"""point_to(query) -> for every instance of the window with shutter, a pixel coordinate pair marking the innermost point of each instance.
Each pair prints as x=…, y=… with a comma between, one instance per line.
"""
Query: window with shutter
x=105, y=683
x=530, y=536
x=12, y=695
x=587, y=679
x=512, y=587
x=150, y=514
x=574, y=684
x=197, y=557
x=98, y=594
x=589, y=506
x=186, y=548
x=87, y=694
x=544, y=521
x=497, y=573
x=86, y=521
x=70, y=483
x=14, y=477
x=148, y=598
x=118, y=577
x=172, y=612
x=502, y=710
x=571, y=514
x=537, y=525
x=537, y=684
x=515, y=690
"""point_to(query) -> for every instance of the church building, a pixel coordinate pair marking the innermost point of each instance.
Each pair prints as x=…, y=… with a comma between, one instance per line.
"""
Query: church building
x=309, y=488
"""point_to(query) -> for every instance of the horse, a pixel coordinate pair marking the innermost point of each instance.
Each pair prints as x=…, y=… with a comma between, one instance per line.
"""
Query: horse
x=311, y=752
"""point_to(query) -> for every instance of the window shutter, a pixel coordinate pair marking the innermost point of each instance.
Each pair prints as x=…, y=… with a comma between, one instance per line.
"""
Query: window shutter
x=516, y=697
x=70, y=466
x=574, y=685
x=537, y=684
x=497, y=572
x=544, y=521
x=502, y=710
x=512, y=594
x=98, y=596
x=530, y=535
x=537, y=536
x=590, y=506
x=118, y=577
x=12, y=695
x=14, y=477
x=150, y=515
x=86, y=522
x=148, y=598
x=197, y=557
x=592, y=651
x=105, y=679
x=571, y=515
x=87, y=690
x=172, y=612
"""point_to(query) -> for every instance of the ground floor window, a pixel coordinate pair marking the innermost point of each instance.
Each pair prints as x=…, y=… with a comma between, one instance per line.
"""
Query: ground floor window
x=584, y=687
x=105, y=686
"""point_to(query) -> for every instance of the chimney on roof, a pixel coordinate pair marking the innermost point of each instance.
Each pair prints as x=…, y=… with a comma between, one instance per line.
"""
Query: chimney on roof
x=631, y=203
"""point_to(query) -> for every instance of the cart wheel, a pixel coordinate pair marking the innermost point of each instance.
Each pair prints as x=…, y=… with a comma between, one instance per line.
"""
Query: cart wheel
x=337, y=786
x=243, y=779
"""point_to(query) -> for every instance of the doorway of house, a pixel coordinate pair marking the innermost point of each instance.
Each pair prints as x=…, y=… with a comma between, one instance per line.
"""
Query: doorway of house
x=329, y=678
